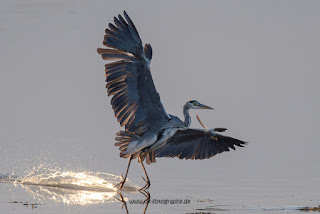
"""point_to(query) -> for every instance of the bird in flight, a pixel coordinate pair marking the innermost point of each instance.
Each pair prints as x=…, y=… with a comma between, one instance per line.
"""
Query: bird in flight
x=149, y=131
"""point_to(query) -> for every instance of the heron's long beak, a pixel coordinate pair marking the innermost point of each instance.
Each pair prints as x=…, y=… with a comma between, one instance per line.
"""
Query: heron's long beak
x=205, y=107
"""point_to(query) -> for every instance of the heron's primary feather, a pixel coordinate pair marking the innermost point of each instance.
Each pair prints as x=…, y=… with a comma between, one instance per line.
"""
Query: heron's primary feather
x=135, y=101
x=197, y=144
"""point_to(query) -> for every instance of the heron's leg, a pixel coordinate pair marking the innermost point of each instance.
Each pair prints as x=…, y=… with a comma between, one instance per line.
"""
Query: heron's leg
x=124, y=204
x=204, y=126
x=146, y=180
x=216, y=129
x=147, y=200
x=125, y=177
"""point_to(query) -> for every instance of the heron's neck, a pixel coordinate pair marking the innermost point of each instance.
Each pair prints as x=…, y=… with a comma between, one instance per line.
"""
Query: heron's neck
x=187, y=118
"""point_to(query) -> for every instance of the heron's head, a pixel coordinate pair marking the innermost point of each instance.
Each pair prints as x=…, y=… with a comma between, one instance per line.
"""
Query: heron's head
x=193, y=104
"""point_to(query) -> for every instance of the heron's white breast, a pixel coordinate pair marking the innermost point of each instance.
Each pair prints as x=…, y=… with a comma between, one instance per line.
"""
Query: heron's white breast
x=167, y=134
x=141, y=143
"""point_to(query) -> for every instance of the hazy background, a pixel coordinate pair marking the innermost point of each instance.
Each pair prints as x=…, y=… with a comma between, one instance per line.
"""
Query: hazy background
x=256, y=62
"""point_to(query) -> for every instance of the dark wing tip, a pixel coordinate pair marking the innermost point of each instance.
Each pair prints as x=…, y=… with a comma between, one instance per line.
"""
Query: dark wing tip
x=122, y=35
x=244, y=143
x=126, y=15
x=147, y=51
x=220, y=129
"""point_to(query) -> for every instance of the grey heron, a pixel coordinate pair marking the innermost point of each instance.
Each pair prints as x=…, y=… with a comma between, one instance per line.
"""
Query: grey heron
x=149, y=131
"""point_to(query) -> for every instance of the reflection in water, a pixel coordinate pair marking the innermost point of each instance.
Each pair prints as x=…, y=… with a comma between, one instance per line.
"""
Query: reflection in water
x=69, y=196
x=45, y=184
x=91, y=188
x=81, y=188
x=144, y=192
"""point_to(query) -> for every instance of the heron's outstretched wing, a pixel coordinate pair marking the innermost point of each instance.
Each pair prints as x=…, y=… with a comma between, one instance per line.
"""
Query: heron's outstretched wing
x=135, y=101
x=197, y=144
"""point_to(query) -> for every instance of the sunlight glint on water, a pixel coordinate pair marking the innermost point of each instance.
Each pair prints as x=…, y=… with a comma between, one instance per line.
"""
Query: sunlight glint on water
x=68, y=187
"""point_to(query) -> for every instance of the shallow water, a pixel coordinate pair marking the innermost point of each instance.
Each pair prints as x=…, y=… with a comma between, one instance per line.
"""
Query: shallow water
x=93, y=192
x=255, y=62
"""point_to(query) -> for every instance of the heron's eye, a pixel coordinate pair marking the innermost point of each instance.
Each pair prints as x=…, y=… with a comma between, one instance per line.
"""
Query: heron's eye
x=196, y=104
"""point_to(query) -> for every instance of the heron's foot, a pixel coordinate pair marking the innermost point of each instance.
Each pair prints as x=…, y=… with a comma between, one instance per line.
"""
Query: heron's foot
x=145, y=187
x=147, y=200
x=121, y=183
x=147, y=195
x=121, y=199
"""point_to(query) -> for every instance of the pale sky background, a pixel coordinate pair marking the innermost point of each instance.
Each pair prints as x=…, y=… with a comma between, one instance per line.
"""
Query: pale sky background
x=256, y=62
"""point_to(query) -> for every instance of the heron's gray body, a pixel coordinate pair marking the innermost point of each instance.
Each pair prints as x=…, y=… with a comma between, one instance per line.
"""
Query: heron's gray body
x=149, y=131
x=170, y=128
x=156, y=137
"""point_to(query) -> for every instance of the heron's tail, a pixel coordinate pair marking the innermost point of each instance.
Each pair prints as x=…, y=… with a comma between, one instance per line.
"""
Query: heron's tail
x=150, y=158
x=124, y=138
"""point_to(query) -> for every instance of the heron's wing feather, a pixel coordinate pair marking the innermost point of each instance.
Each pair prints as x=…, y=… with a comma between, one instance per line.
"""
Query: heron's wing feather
x=135, y=101
x=197, y=144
